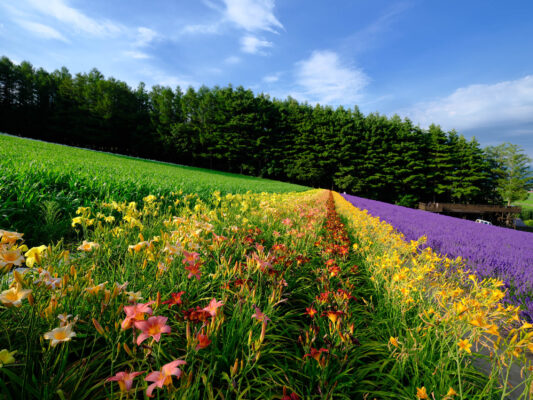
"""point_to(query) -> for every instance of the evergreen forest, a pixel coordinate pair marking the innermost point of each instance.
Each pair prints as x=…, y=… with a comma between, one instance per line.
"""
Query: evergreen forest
x=236, y=130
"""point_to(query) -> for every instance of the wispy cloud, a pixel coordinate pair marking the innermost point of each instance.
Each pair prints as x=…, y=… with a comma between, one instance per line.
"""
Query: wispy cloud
x=41, y=30
x=253, y=45
x=271, y=78
x=232, y=60
x=477, y=106
x=253, y=15
x=77, y=20
x=250, y=16
x=326, y=79
x=145, y=36
x=376, y=31
x=213, y=28
x=139, y=55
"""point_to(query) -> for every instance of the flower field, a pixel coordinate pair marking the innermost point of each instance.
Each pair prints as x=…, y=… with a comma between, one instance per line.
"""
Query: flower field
x=251, y=296
x=489, y=250
x=49, y=186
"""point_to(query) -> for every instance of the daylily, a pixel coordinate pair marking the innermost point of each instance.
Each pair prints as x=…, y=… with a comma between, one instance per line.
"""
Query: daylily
x=11, y=257
x=133, y=296
x=88, y=246
x=124, y=379
x=451, y=392
x=292, y=396
x=163, y=377
x=177, y=249
x=213, y=306
x=421, y=393
x=96, y=288
x=194, y=270
x=260, y=316
x=61, y=334
x=63, y=319
x=333, y=315
x=136, y=313
x=465, y=345
x=121, y=287
x=310, y=311
x=196, y=315
x=33, y=255
x=152, y=327
x=203, y=341
x=287, y=222
x=6, y=357
x=317, y=355
x=138, y=247
x=14, y=296
x=190, y=258
x=10, y=237
x=175, y=298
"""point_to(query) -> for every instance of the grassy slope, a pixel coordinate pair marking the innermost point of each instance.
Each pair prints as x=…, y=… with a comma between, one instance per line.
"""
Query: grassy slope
x=42, y=184
x=526, y=203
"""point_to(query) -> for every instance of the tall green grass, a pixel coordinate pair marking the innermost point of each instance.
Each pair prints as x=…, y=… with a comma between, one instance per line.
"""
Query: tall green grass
x=42, y=184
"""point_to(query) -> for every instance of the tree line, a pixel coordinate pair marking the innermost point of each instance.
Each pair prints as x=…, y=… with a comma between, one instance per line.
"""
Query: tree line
x=232, y=129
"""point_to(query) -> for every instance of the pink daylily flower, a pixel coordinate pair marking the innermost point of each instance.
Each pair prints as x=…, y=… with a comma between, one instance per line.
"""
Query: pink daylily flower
x=152, y=327
x=163, y=377
x=124, y=379
x=136, y=313
x=260, y=316
x=213, y=306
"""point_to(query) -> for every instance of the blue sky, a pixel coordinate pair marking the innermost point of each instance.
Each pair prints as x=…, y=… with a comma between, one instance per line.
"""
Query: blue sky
x=466, y=65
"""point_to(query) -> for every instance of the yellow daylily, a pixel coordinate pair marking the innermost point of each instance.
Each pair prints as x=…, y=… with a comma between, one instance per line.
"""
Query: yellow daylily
x=33, y=255
x=6, y=357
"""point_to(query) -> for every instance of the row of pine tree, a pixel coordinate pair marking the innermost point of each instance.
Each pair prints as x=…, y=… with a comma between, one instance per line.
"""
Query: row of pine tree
x=235, y=130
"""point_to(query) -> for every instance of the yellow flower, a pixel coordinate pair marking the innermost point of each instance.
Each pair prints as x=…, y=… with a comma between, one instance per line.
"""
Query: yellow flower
x=421, y=393
x=451, y=392
x=11, y=257
x=10, y=237
x=109, y=219
x=478, y=321
x=88, y=246
x=150, y=198
x=393, y=341
x=6, y=357
x=493, y=330
x=61, y=334
x=465, y=345
x=76, y=221
x=14, y=296
x=33, y=255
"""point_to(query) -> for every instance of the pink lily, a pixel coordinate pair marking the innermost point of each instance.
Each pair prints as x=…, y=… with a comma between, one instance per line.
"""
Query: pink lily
x=163, y=377
x=124, y=379
x=152, y=327
x=136, y=313
x=213, y=306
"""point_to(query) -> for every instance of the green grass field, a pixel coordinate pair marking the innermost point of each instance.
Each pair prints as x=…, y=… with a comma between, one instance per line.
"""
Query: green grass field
x=528, y=202
x=42, y=184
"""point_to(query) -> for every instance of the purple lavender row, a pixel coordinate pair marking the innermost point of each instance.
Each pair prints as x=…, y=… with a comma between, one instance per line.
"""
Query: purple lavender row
x=490, y=250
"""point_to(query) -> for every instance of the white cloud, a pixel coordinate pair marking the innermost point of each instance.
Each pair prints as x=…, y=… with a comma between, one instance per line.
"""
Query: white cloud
x=271, y=78
x=145, y=36
x=41, y=30
x=251, y=44
x=60, y=10
x=139, y=55
x=252, y=15
x=325, y=79
x=202, y=28
x=478, y=106
x=232, y=60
